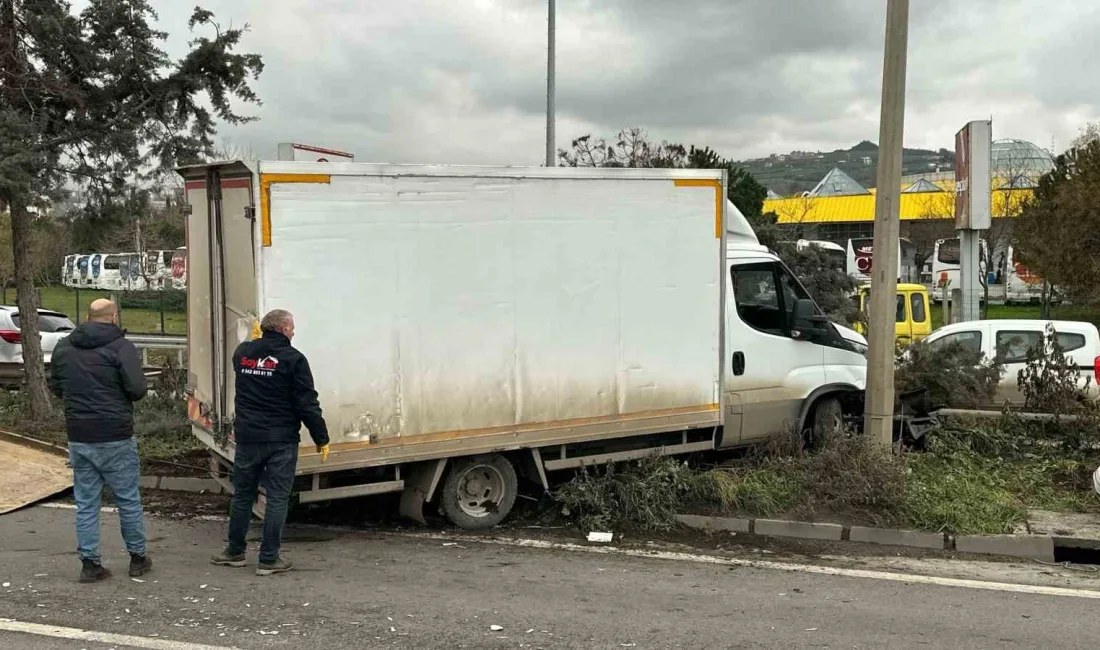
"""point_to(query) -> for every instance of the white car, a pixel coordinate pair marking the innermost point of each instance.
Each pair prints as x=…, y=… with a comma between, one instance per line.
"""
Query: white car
x=53, y=325
x=1009, y=341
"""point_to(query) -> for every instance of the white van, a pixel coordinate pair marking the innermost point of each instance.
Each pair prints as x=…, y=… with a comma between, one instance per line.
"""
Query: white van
x=946, y=258
x=1010, y=340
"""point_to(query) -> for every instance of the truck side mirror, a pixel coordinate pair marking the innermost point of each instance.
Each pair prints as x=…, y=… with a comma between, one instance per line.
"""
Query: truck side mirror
x=808, y=322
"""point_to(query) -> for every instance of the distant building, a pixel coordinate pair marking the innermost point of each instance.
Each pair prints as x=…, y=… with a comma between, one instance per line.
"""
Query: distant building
x=839, y=208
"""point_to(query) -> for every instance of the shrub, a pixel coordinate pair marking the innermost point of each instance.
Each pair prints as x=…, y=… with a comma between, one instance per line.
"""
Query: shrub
x=952, y=375
x=171, y=299
x=852, y=474
x=643, y=495
x=1050, y=381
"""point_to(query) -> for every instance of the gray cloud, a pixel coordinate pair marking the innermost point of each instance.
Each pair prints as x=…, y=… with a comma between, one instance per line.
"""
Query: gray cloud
x=463, y=82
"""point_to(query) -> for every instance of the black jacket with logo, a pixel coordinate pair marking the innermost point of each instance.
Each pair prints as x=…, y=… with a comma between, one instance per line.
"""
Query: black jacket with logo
x=275, y=393
x=98, y=375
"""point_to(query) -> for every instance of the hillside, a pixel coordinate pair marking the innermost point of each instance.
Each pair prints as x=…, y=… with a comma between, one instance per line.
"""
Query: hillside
x=799, y=171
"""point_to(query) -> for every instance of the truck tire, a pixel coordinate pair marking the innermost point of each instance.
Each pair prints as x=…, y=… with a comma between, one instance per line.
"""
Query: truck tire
x=828, y=419
x=479, y=491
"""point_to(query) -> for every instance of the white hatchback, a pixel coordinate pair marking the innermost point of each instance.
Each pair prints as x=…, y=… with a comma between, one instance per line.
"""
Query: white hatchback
x=53, y=325
x=1010, y=340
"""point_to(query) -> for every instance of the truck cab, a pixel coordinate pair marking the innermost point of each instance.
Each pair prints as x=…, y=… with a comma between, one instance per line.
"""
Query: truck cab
x=912, y=320
x=788, y=366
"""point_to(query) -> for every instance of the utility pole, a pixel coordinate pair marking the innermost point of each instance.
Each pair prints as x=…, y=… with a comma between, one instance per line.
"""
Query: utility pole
x=879, y=403
x=551, y=153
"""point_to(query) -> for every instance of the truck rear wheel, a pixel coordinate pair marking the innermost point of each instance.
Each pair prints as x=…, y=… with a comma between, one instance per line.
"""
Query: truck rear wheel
x=479, y=492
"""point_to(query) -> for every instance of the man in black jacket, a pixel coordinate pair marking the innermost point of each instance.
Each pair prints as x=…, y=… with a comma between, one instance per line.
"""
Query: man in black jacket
x=98, y=375
x=275, y=396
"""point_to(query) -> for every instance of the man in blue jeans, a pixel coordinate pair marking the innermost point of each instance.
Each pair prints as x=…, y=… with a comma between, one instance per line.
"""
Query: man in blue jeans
x=98, y=375
x=274, y=397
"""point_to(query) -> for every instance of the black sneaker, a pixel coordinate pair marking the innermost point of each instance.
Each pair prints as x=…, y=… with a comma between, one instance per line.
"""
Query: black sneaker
x=271, y=568
x=93, y=572
x=225, y=559
x=140, y=565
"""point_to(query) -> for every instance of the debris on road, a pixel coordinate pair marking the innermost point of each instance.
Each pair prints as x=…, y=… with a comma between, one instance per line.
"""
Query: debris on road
x=601, y=537
x=496, y=628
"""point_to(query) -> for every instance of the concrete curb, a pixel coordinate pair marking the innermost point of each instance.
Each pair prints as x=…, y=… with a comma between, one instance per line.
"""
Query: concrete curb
x=181, y=484
x=1033, y=547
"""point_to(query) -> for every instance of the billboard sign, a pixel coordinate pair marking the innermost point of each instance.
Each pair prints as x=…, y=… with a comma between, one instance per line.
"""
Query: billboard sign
x=973, y=151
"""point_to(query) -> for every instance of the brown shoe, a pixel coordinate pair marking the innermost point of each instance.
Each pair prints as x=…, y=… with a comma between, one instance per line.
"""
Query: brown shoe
x=225, y=559
x=271, y=568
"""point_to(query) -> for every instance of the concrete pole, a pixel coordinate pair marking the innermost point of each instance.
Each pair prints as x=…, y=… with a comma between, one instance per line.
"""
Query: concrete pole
x=879, y=404
x=551, y=152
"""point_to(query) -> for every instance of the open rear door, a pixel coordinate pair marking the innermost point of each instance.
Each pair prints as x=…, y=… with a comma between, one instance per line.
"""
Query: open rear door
x=221, y=288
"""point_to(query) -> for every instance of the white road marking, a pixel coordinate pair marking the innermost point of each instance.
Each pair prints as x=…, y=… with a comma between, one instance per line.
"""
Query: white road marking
x=76, y=634
x=72, y=506
x=112, y=510
x=767, y=564
x=910, y=578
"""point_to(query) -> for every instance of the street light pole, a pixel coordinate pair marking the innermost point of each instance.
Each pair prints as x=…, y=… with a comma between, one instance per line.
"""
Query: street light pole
x=551, y=154
x=879, y=403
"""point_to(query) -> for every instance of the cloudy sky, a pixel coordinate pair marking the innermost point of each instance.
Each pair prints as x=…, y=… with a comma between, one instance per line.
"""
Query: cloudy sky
x=463, y=81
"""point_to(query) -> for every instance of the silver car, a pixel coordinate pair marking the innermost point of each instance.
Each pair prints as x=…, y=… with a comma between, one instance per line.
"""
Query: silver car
x=53, y=325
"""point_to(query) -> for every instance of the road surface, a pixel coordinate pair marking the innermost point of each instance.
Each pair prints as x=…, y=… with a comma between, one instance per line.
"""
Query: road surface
x=385, y=590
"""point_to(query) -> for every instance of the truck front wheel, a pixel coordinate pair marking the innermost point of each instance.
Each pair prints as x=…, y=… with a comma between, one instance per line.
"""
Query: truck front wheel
x=479, y=492
x=828, y=420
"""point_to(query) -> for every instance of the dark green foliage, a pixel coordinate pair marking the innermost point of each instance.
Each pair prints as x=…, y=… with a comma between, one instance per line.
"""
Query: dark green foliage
x=953, y=375
x=1058, y=232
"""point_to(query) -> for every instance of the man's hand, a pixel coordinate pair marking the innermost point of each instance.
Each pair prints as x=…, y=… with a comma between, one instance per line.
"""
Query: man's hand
x=323, y=450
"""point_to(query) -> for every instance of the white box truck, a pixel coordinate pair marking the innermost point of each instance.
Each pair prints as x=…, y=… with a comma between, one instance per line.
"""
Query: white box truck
x=468, y=324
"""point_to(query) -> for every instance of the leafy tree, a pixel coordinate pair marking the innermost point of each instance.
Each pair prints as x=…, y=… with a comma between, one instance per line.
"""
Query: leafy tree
x=92, y=98
x=1058, y=232
x=633, y=148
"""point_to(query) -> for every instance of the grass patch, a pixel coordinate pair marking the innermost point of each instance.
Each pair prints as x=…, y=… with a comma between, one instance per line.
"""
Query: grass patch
x=971, y=479
x=144, y=319
x=766, y=491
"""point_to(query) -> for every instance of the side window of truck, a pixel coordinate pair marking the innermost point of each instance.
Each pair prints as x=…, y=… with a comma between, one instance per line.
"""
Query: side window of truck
x=757, y=297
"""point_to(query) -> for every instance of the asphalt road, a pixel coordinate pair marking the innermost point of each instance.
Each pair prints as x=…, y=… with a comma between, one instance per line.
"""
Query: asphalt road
x=380, y=590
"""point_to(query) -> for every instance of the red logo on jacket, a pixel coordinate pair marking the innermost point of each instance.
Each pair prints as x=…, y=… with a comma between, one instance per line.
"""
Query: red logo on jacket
x=263, y=367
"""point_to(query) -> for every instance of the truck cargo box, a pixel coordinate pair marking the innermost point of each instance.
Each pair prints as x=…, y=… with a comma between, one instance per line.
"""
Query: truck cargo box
x=458, y=310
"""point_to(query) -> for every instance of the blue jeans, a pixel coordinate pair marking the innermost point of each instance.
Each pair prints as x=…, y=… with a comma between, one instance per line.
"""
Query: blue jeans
x=274, y=464
x=116, y=465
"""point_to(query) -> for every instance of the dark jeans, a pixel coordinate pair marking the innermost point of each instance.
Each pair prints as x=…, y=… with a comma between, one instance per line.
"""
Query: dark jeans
x=274, y=463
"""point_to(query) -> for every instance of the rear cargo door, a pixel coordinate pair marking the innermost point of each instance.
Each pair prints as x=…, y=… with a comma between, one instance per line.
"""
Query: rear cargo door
x=221, y=285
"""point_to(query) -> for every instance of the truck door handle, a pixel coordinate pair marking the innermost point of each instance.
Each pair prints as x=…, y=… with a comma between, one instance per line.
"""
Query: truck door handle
x=738, y=363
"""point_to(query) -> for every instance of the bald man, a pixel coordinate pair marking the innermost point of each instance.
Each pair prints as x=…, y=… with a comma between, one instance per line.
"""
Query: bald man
x=98, y=375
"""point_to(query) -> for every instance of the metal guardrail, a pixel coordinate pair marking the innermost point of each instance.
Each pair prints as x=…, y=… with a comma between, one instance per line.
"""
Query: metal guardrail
x=11, y=374
x=157, y=341
x=147, y=342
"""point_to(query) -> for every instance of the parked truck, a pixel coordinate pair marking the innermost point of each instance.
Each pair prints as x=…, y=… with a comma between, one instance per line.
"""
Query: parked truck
x=467, y=326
